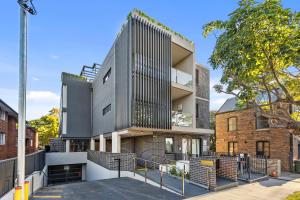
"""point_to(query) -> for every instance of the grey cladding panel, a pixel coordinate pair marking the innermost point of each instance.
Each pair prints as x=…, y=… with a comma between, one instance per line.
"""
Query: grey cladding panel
x=78, y=107
x=202, y=88
x=203, y=109
x=103, y=95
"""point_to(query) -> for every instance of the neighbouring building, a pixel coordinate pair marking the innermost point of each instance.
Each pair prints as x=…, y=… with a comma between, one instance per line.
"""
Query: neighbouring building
x=242, y=131
x=148, y=97
x=9, y=133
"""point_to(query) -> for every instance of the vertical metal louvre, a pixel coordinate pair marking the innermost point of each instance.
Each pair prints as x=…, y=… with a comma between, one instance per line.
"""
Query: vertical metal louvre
x=151, y=76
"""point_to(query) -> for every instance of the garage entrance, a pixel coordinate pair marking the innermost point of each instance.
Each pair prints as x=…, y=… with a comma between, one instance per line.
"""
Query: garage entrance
x=64, y=173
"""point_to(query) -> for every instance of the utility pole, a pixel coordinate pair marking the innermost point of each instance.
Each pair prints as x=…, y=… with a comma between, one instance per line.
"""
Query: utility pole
x=24, y=8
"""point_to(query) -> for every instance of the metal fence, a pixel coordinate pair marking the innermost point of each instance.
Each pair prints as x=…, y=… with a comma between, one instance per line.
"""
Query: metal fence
x=8, y=170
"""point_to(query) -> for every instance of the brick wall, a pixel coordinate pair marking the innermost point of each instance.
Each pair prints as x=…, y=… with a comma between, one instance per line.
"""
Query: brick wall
x=57, y=145
x=12, y=139
x=107, y=160
x=274, y=165
x=4, y=129
x=227, y=167
x=203, y=175
x=246, y=136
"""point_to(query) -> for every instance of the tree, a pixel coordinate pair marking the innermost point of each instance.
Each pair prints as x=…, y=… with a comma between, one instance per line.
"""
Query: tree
x=258, y=49
x=213, y=127
x=46, y=126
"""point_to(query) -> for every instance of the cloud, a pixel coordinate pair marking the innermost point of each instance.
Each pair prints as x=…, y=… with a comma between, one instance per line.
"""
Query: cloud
x=35, y=78
x=42, y=96
x=39, y=103
x=217, y=99
x=54, y=57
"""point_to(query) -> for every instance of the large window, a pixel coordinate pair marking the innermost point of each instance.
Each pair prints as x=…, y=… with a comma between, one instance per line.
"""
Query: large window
x=2, y=114
x=2, y=138
x=64, y=126
x=196, y=147
x=169, y=145
x=197, y=77
x=106, y=109
x=106, y=76
x=263, y=148
x=64, y=97
x=232, y=124
x=262, y=122
x=232, y=148
x=79, y=145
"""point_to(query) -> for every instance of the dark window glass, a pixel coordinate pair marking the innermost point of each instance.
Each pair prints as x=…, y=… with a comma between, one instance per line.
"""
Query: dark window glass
x=232, y=124
x=106, y=109
x=107, y=75
x=262, y=122
x=79, y=145
x=197, y=110
x=169, y=145
x=232, y=148
x=263, y=148
x=197, y=76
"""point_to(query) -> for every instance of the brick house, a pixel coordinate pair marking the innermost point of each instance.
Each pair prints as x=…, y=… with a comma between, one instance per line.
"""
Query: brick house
x=9, y=133
x=243, y=131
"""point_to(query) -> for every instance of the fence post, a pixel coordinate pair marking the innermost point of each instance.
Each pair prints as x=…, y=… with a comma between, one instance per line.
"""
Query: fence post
x=183, y=179
x=266, y=166
x=145, y=171
x=161, y=175
x=248, y=167
x=134, y=164
x=119, y=166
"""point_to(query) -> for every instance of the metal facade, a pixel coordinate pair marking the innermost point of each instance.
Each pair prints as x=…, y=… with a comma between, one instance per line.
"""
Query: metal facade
x=151, y=76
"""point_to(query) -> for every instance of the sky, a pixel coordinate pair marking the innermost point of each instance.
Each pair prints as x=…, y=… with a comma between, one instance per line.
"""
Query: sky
x=65, y=35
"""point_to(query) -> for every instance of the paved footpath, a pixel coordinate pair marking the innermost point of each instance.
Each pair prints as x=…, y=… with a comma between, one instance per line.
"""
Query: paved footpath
x=274, y=189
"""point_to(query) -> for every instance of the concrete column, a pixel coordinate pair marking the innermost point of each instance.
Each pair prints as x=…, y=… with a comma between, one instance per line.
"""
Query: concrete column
x=92, y=145
x=67, y=145
x=102, y=146
x=116, y=142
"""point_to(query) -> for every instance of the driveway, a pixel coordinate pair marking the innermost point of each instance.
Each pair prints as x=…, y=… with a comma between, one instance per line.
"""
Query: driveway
x=275, y=189
x=110, y=189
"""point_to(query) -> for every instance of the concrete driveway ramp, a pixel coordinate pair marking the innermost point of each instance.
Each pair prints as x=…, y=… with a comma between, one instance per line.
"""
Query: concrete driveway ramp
x=110, y=189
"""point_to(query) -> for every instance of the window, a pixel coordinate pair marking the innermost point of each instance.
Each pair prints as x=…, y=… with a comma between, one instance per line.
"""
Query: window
x=197, y=76
x=106, y=109
x=262, y=122
x=232, y=148
x=196, y=147
x=232, y=124
x=169, y=145
x=197, y=110
x=27, y=142
x=2, y=139
x=31, y=142
x=2, y=115
x=263, y=148
x=64, y=97
x=64, y=126
x=107, y=75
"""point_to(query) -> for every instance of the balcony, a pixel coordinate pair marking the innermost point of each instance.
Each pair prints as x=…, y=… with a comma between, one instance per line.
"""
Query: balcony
x=182, y=119
x=182, y=78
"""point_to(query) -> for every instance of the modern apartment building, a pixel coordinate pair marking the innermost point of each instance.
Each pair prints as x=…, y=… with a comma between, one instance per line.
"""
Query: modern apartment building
x=242, y=131
x=148, y=96
x=9, y=133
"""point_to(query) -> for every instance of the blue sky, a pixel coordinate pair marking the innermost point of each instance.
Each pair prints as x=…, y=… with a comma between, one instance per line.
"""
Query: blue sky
x=68, y=34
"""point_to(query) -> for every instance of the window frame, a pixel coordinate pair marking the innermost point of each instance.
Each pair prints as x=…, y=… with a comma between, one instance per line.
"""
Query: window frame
x=107, y=76
x=2, y=115
x=172, y=145
x=263, y=148
x=236, y=124
x=105, y=109
x=256, y=123
x=235, y=144
x=197, y=110
x=2, y=138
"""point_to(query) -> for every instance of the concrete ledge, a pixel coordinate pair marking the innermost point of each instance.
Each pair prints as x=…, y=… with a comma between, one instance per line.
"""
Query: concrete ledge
x=64, y=158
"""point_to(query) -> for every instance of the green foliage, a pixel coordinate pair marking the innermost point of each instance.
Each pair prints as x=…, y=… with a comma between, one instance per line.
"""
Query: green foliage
x=153, y=21
x=46, y=126
x=258, y=49
x=294, y=196
x=173, y=171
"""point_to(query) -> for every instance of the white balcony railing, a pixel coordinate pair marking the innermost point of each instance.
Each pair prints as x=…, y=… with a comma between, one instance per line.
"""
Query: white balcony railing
x=182, y=78
x=182, y=119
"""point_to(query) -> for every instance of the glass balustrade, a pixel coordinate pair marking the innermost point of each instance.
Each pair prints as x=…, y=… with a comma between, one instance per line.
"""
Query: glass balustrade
x=182, y=119
x=181, y=77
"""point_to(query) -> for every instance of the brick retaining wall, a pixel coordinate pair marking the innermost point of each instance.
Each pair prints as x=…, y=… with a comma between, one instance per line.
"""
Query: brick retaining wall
x=227, y=167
